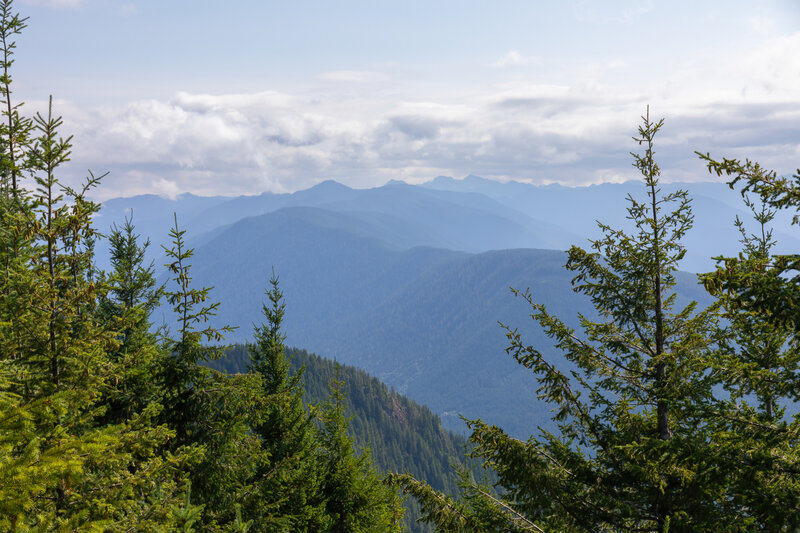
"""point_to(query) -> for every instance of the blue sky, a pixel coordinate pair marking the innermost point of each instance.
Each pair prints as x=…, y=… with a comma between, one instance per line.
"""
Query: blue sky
x=179, y=96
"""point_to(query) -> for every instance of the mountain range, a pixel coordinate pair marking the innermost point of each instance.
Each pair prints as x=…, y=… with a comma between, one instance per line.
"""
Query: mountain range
x=409, y=282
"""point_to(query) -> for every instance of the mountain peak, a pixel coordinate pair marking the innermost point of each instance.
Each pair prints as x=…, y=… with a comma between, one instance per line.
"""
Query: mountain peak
x=329, y=185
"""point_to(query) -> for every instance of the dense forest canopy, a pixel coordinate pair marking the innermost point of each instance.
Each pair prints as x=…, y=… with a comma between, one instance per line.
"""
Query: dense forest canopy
x=671, y=417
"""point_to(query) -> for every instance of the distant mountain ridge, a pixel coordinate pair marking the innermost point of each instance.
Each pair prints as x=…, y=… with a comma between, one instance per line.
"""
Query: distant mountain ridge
x=408, y=282
x=473, y=214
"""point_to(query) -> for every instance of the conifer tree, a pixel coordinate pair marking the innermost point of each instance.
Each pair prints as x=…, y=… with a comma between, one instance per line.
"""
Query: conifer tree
x=759, y=360
x=126, y=307
x=631, y=451
x=15, y=128
x=289, y=482
x=207, y=410
x=355, y=498
x=62, y=469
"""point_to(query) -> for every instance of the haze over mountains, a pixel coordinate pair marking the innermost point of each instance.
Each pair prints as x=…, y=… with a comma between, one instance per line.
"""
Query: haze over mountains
x=409, y=282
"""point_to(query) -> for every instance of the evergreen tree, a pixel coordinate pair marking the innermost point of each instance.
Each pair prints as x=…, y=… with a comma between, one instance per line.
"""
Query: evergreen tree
x=15, y=128
x=60, y=467
x=288, y=480
x=759, y=360
x=207, y=410
x=126, y=307
x=632, y=448
x=356, y=500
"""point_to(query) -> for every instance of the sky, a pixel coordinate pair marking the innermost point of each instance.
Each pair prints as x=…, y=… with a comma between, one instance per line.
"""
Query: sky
x=247, y=96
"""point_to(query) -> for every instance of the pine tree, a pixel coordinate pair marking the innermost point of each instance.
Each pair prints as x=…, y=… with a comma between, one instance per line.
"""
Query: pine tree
x=60, y=467
x=759, y=361
x=631, y=451
x=126, y=307
x=15, y=128
x=207, y=410
x=288, y=481
x=356, y=500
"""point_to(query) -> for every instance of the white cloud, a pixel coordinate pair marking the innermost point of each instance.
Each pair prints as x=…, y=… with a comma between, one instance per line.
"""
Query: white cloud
x=574, y=132
x=166, y=188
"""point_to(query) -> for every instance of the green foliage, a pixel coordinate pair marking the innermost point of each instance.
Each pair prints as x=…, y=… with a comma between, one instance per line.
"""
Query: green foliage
x=355, y=498
x=288, y=480
x=16, y=129
x=209, y=412
x=772, y=289
x=479, y=509
x=667, y=418
x=61, y=467
x=401, y=435
x=107, y=424
x=125, y=308
x=759, y=361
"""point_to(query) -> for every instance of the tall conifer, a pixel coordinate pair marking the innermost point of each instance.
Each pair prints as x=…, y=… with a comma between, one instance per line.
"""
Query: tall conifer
x=631, y=451
x=207, y=410
x=759, y=362
x=290, y=479
x=356, y=500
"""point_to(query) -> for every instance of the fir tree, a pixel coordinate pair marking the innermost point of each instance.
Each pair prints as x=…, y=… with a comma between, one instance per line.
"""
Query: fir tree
x=207, y=410
x=126, y=307
x=15, y=128
x=759, y=361
x=288, y=483
x=355, y=498
x=632, y=448
x=60, y=467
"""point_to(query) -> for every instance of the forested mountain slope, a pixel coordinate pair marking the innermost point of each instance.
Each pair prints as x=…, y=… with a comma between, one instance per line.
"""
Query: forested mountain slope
x=423, y=320
x=402, y=435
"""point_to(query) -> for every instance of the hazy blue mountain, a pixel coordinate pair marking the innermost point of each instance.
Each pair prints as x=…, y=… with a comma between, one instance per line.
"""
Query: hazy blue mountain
x=455, y=220
x=237, y=208
x=409, y=215
x=423, y=320
x=473, y=214
x=153, y=217
x=401, y=280
x=575, y=210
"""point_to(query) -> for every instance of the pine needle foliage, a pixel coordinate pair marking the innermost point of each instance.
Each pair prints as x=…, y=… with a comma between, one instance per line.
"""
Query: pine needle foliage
x=288, y=479
x=61, y=467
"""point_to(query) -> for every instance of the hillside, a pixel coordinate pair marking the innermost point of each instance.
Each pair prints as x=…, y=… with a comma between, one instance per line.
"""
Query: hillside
x=402, y=435
x=423, y=320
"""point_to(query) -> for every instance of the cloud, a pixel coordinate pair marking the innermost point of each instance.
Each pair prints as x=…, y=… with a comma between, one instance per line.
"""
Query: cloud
x=166, y=188
x=572, y=132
